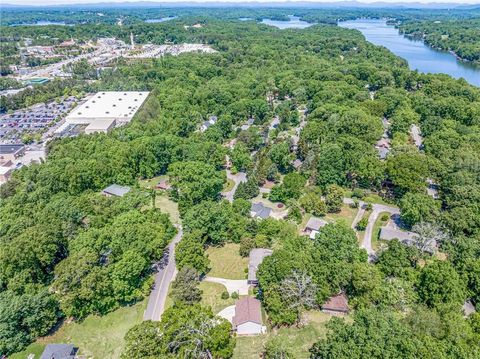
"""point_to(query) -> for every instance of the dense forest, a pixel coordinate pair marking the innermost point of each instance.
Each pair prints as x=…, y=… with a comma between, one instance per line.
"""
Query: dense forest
x=458, y=36
x=67, y=252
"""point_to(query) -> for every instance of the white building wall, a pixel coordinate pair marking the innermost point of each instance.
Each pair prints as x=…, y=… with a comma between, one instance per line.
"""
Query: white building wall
x=249, y=328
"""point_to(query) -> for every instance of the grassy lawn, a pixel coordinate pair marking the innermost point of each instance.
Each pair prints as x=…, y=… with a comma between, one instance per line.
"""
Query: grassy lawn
x=97, y=337
x=166, y=205
x=228, y=186
x=211, y=296
x=347, y=215
x=376, y=230
x=226, y=262
x=299, y=340
x=151, y=182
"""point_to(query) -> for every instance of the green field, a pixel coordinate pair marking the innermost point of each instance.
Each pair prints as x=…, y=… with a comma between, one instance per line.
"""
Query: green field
x=346, y=215
x=226, y=262
x=96, y=337
x=211, y=296
x=298, y=339
x=228, y=186
x=166, y=205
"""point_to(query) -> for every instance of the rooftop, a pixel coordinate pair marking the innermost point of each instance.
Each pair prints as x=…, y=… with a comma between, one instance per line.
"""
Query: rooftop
x=120, y=105
x=388, y=233
x=261, y=211
x=247, y=309
x=116, y=190
x=59, y=351
x=10, y=149
x=315, y=223
x=337, y=303
x=255, y=259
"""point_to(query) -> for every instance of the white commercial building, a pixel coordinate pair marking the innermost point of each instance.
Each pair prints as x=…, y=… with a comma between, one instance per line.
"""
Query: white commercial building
x=105, y=110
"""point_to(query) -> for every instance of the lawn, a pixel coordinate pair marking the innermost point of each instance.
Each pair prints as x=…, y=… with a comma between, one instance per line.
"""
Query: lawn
x=151, y=182
x=97, y=337
x=299, y=340
x=211, y=296
x=228, y=186
x=376, y=230
x=226, y=262
x=166, y=205
x=346, y=215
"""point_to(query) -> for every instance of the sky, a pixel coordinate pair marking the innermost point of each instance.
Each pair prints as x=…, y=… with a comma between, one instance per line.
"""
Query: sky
x=58, y=2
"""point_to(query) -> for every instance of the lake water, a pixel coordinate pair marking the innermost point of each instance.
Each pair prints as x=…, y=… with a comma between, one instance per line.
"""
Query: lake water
x=163, y=19
x=293, y=23
x=419, y=56
x=42, y=23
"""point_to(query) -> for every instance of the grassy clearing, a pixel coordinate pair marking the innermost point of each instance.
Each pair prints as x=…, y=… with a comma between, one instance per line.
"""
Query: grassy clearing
x=211, y=296
x=228, y=186
x=376, y=230
x=97, y=337
x=299, y=340
x=151, y=182
x=346, y=215
x=226, y=262
x=166, y=205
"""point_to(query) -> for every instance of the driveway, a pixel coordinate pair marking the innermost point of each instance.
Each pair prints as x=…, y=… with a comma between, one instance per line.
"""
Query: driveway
x=376, y=210
x=163, y=278
x=228, y=313
x=232, y=285
x=237, y=178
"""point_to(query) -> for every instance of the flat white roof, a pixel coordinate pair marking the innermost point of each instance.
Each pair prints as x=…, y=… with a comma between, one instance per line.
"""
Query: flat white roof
x=4, y=170
x=121, y=105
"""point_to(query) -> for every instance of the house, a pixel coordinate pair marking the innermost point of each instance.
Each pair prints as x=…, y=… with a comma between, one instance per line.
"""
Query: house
x=255, y=259
x=338, y=304
x=59, y=351
x=314, y=224
x=115, y=190
x=248, y=317
x=258, y=210
x=163, y=185
x=297, y=164
x=432, y=189
x=211, y=121
x=389, y=233
x=5, y=173
x=11, y=152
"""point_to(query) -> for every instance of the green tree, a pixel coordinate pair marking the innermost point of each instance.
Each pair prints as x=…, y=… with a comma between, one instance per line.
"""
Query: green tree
x=334, y=198
x=185, y=286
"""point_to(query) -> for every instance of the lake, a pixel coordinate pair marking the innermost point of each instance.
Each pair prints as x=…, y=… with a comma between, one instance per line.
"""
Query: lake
x=42, y=23
x=419, y=56
x=163, y=19
x=293, y=23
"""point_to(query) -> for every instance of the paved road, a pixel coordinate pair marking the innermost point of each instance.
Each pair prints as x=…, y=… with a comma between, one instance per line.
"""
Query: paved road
x=237, y=178
x=163, y=278
x=376, y=210
x=359, y=215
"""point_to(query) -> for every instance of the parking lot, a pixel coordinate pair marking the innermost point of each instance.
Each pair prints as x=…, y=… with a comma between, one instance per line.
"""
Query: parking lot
x=33, y=120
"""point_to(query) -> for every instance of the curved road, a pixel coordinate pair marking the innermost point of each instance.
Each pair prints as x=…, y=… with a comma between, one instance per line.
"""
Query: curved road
x=163, y=278
x=376, y=210
x=237, y=178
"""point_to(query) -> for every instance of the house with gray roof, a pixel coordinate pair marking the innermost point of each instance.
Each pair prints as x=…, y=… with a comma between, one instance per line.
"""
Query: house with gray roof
x=314, y=224
x=390, y=233
x=259, y=210
x=115, y=190
x=256, y=257
x=59, y=351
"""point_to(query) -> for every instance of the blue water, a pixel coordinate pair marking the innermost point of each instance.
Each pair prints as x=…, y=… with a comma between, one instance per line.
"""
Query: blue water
x=293, y=23
x=419, y=56
x=42, y=23
x=162, y=19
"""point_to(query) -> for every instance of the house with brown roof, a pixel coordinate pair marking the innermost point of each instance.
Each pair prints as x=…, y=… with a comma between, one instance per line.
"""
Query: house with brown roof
x=248, y=317
x=338, y=304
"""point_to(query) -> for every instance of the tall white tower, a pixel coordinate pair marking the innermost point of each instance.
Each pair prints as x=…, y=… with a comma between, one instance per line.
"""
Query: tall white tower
x=132, y=43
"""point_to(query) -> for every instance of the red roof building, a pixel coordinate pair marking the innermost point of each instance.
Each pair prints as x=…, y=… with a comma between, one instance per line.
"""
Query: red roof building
x=337, y=304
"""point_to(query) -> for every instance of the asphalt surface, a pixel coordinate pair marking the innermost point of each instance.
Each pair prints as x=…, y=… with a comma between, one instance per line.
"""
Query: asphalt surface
x=163, y=278
x=376, y=210
x=237, y=178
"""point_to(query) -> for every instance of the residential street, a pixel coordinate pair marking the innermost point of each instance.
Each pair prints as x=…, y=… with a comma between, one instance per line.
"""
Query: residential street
x=163, y=278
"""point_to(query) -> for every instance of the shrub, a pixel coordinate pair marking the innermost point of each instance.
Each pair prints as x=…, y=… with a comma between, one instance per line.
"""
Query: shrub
x=385, y=217
x=225, y=295
x=234, y=295
x=362, y=224
x=358, y=193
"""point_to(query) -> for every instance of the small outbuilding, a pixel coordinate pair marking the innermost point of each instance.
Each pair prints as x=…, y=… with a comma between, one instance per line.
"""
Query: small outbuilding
x=337, y=304
x=115, y=190
x=59, y=351
x=256, y=258
x=248, y=317
x=163, y=185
